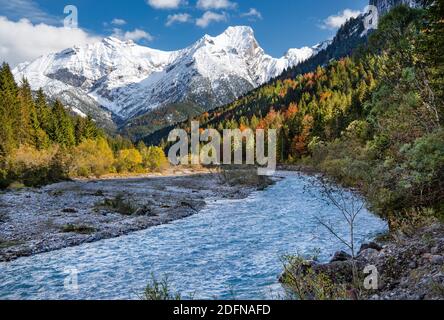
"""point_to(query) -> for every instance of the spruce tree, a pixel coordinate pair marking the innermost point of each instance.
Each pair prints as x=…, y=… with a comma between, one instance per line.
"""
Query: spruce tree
x=91, y=131
x=9, y=107
x=43, y=111
x=62, y=127
x=85, y=128
x=28, y=125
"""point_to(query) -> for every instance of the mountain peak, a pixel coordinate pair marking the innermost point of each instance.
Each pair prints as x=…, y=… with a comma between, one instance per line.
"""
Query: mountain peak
x=239, y=33
x=240, y=38
x=236, y=30
x=129, y=80
x=114, y=41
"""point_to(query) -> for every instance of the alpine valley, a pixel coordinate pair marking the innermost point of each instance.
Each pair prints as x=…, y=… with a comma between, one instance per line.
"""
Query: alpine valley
x=354, y=128
x=137, y=91
x=117, y=82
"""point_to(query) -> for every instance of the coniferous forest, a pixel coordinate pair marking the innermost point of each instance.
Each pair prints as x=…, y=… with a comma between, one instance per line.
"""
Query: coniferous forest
x=372, y=121
x=41, y=142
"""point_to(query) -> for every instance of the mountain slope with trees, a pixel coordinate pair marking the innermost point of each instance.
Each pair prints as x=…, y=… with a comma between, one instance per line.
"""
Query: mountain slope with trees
x=371, y=121
x=42, y=143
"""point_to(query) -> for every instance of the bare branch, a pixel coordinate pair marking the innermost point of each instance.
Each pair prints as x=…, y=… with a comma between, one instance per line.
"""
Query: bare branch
x=333, y=232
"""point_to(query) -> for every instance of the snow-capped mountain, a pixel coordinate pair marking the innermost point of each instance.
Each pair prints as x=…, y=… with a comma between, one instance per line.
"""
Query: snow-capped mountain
x=122, y=79
x=385, y=6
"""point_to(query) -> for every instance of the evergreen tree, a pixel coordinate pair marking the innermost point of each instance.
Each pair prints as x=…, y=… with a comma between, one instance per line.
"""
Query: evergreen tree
x=28, y=124
x=9, y=107
x=85, y=129
x=430, y=53
x=62, y=128
x=91, y=131
x=79, y=129
x=43, y=111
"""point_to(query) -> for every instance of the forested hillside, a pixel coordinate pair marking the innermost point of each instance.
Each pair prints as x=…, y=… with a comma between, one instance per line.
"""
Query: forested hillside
x=371, y=121
x=347, y=40
x=42, y=143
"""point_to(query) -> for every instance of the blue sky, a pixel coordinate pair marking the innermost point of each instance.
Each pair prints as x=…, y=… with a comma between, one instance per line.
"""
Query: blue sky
x=278, y=25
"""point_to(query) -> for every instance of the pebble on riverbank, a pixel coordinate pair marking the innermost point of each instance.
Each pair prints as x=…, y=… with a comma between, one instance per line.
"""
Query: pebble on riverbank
x=71, y=213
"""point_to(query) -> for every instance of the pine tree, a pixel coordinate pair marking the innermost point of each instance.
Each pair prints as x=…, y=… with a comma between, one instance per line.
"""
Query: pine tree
x=79, y=129
x=9, y=107
x=254, y=122
x=62, y=128
x=91, y=131
x=85, y=129
x=28, y=125
x=43, y=111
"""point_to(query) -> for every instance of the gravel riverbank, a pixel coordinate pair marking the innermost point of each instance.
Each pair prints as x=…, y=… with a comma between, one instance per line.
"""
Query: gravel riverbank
x=71, y=213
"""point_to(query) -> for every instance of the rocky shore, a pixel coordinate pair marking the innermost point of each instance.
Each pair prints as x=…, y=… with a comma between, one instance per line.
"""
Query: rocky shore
x=71, y=213
x=410, y=267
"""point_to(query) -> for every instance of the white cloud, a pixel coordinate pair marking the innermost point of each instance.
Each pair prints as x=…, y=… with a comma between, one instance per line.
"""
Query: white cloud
x=29, y=9
x=178, y=18
x=209, y=17
x=164, y=4
x=252, y=13
x=135, y=35
x=118, y=22
x=24, y=41
x=336, y=21
x=215, y=4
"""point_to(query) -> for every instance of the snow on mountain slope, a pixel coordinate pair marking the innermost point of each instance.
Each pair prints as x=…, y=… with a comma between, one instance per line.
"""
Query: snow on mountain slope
x=123, y=79
x=385, y=6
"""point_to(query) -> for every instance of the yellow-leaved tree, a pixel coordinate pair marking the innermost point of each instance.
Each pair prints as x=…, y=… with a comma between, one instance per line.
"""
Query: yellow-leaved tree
x=129, y=160
x=92, y=158
x=156, y=159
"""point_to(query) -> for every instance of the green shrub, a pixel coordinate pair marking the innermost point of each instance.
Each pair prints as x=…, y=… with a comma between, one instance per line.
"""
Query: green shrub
x=8, y=244
x=153, y=158
x=303, y=283
x=4, y=179
x=80, y=229
x=426, y=157
x=358, y=130
x=118, y=204
x=160, y=291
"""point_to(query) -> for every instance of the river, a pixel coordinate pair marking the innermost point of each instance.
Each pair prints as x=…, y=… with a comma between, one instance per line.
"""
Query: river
x=230, y=250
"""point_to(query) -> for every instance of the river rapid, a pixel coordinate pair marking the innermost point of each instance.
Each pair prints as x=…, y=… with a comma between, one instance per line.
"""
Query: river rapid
x=232, y=249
